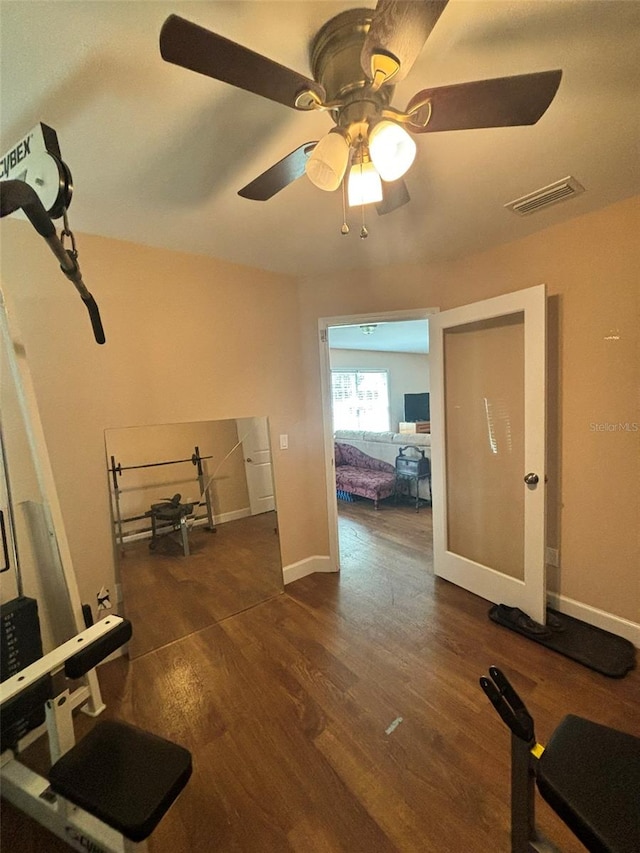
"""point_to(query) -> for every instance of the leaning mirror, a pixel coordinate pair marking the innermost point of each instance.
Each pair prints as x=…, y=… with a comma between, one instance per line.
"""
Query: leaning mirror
x=194, y=523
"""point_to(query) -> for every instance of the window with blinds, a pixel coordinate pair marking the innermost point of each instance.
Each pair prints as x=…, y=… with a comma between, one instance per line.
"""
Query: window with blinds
x=360, y=400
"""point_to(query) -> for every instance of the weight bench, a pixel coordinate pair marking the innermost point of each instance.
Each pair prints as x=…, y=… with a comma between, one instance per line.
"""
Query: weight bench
x=110, y=790
x=172, y=512
x=588, y=773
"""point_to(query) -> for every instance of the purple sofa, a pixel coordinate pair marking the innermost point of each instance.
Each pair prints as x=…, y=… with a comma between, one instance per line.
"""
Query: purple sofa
x=360, y=474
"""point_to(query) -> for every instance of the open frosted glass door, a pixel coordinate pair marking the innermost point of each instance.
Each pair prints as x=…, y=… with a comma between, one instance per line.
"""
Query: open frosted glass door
x=488, y=448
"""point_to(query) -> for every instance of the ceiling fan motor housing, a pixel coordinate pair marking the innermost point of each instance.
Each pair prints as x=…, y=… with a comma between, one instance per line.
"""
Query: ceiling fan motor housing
x=335, y=64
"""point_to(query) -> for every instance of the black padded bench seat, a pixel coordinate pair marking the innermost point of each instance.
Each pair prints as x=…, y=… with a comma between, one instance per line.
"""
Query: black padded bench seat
x=122, y=775
x=590, y=775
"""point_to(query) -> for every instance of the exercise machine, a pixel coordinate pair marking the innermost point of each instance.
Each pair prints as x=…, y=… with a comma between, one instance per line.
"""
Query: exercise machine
x=107, y=792
x=588, y=773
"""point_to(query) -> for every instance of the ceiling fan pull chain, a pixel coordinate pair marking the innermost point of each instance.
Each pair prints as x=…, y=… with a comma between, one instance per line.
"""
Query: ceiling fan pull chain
x=345, y=227
x=363, y=231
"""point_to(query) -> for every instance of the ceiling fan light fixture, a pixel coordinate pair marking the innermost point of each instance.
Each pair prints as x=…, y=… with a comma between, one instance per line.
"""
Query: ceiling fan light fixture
x=365, y=186
x=392, y=149
x=327, y=164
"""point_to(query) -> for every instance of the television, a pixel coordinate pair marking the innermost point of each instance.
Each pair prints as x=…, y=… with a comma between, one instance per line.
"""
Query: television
x=416, y=407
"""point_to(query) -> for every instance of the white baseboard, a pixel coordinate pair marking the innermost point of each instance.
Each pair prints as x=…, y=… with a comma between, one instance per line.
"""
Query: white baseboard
x=600, y=618
x=308, y=566
x=221, y=518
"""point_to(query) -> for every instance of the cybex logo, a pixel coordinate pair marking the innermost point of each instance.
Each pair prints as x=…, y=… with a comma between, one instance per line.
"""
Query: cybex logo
x=11, y=160
x=81, y=842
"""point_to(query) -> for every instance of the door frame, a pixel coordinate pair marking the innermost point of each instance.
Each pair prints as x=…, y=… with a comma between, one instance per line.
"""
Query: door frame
x=324, y=324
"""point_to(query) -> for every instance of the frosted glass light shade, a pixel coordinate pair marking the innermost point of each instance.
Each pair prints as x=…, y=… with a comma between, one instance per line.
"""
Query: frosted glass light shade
x=392, y=150
x=327, y=164
x=365, y=185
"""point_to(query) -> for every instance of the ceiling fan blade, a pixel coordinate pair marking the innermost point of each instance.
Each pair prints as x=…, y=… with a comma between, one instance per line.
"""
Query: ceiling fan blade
x=394, y=195
x=501, y=102
x=279, y=176
x=400, y=27
x=192, y=46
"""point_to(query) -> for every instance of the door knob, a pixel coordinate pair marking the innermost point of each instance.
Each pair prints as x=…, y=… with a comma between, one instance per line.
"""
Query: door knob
x=531, y=479
x=249, y=459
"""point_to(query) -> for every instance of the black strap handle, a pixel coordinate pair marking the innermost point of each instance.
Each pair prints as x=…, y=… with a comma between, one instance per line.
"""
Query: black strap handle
x=96, y=322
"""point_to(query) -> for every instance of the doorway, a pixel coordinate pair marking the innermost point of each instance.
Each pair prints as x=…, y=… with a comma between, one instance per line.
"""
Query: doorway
x=394, y=344
x=503, y=398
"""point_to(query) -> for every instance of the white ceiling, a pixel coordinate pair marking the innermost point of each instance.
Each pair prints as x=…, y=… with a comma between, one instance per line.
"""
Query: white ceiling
x=395, y=336
x=158, y=152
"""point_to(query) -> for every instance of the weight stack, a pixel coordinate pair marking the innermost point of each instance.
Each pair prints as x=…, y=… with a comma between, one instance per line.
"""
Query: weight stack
x=21, y=645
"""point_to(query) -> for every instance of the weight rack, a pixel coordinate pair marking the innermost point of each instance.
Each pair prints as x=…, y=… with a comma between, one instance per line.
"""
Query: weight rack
x=116, y=469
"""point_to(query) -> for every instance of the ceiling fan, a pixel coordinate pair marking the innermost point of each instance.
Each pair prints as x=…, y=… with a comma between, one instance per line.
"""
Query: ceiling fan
x=357, y=58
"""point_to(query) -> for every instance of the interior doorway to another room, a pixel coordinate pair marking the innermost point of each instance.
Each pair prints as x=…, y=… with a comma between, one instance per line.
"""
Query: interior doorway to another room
x=372, y=366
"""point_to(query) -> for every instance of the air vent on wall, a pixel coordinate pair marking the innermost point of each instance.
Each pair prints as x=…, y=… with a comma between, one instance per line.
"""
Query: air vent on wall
x=546, y=196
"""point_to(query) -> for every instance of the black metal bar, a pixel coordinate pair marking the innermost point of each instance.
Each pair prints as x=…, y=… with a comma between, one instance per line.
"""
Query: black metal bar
x=134, y=518
x=153, y=464
x=146, y=515
x=115, y=470
x=523, y=808
x=163, y=525
x=197, y=459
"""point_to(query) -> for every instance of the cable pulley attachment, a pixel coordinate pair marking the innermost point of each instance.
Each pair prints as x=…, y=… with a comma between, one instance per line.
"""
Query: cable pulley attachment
x=18, y=195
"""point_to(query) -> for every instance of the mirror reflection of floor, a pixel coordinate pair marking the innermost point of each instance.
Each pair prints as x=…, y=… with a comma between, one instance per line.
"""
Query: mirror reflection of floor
x=168, y=596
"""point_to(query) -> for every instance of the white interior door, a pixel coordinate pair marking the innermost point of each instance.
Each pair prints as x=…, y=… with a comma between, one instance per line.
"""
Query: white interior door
x=488, y=448
x=256, y=449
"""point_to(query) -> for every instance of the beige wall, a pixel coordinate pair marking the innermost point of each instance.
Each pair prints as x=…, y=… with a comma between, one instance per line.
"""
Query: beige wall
x=408, y=373
x=591, y=268
x=191, y=338
x=188, y=339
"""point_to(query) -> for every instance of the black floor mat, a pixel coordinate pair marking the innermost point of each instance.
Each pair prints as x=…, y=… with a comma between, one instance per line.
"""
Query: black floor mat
x=600, y=650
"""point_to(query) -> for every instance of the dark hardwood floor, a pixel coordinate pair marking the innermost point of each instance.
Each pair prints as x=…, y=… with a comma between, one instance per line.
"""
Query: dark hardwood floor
x=287, y=709
x=168, y=596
